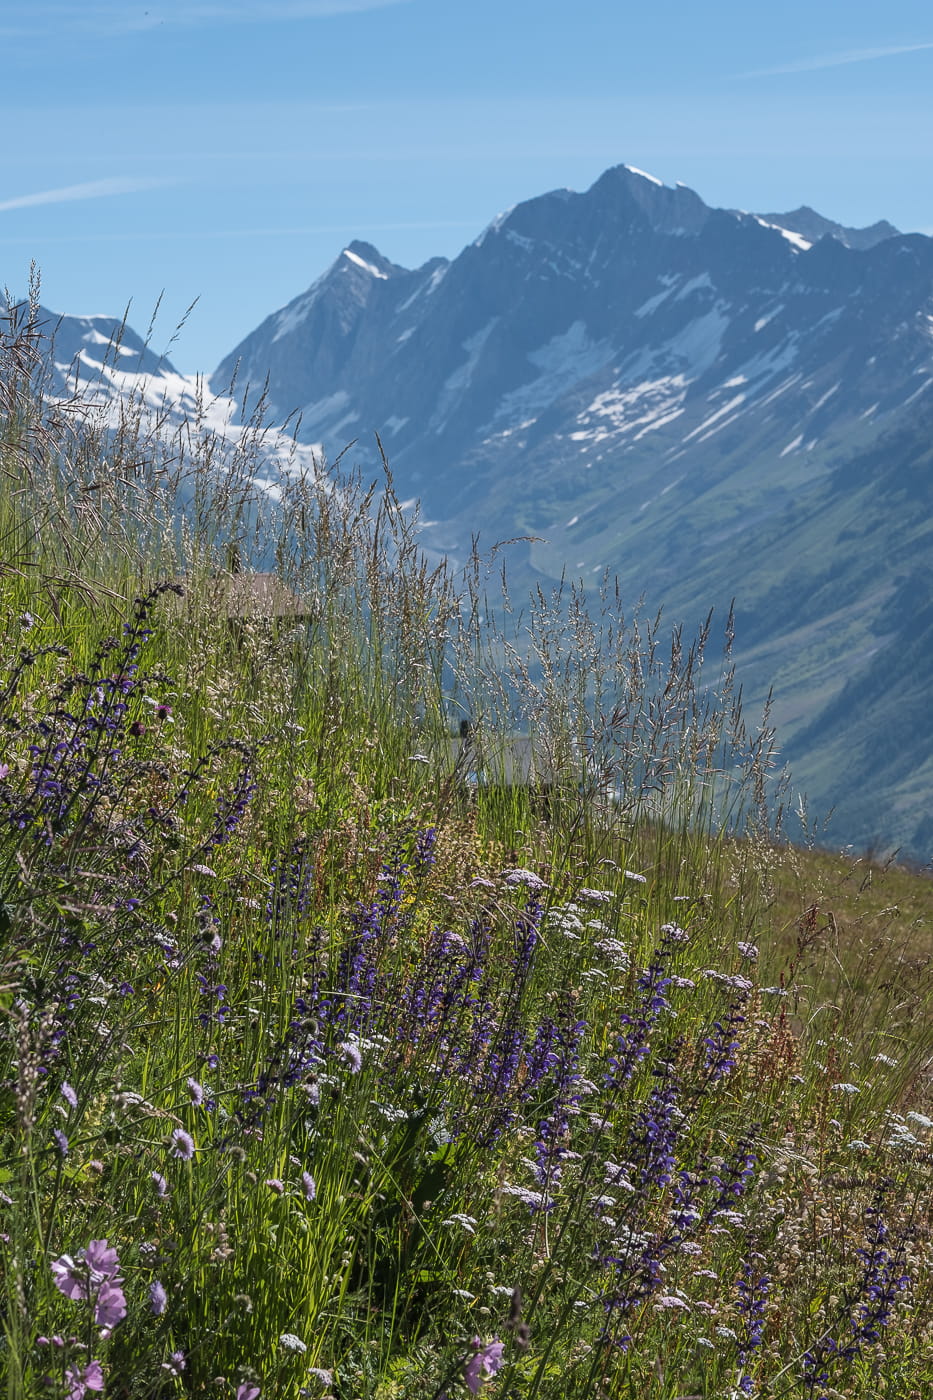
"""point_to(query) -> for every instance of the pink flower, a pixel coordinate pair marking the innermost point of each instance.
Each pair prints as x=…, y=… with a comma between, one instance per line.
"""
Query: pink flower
x=69, y=1277
x=247, y=1391
x=485, y=1362
x=95, y=1276
x=91, y=1378
x=111, y=1305
x=102, y=1260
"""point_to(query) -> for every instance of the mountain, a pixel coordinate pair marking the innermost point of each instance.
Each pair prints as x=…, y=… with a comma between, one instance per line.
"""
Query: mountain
x=103, y=362
x=709, y=403
x=811, y=226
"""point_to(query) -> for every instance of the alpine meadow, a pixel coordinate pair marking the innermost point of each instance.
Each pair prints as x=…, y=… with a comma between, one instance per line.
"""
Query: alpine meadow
x=407, y=990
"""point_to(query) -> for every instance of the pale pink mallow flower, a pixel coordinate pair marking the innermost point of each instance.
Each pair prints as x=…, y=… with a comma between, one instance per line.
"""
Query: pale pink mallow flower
x=484, y=1364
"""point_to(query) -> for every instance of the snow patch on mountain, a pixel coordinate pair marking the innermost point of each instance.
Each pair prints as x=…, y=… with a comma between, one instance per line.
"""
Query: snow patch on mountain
x=668, y=283
x=366, y=266
x=644, y=407
x=564, y=361
x=293, y=315
x=796, y=240
x=695, y=284
x=457, y=383
x=325, y=410
x=634, y=170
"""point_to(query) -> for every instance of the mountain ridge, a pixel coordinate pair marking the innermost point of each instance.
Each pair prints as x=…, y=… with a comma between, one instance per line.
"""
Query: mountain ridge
x=633, y=380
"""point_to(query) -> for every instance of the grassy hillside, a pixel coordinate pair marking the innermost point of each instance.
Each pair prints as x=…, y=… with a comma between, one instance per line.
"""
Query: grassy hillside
x=324, y=1072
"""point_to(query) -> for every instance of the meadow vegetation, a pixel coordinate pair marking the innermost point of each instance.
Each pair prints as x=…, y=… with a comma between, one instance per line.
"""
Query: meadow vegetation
x=326, y=1070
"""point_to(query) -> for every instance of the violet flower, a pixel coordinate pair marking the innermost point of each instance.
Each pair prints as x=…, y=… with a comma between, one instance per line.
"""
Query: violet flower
x=182, y=1144
x=483, y=1364
x=80, y=1382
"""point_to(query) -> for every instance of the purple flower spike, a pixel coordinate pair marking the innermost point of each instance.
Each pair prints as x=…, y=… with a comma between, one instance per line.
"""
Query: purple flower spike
x=309, y=1186
x=69, y=1095
x=195, y=1092
x=182, y=1144
x=61, y=1141
x=247, y=1391
x=158, y=1298
x=160, y=1184
x=485, y=1362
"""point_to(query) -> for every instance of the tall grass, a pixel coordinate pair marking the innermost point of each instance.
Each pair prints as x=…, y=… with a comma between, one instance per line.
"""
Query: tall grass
x=327, y=1073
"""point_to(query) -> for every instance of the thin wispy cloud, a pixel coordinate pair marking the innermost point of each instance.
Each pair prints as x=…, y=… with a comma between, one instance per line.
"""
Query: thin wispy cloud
x=90, y=189
x=838, y=60
x=112, y=16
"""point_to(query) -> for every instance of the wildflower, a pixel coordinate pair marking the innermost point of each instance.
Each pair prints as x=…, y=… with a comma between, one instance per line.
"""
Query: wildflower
x=289, y=1342
x=182, y=1144
x=615, y=951
x=886, y=1060
x=158, y=1298
x=81, y=1381
x=69, y=1095
x=845, y=1088
x=595, y=896
x=639, y=879
x=111, y=1305
x=175, y=1364
x=275, y=1184
x=351, y=1053
x=160, y=1184
x=247, y=1391
x=102, y=1259
x=195, y=1092
x=669, y=1302
x=69, y=1278
x=94, y=1275
x=748, y=951
x=920, y=1120
x=484, y=1363
x=468, y=1223
x=61, y=1141
x=527, y=879
x=309, y=1186
x=534, y=1199
x=741, y=984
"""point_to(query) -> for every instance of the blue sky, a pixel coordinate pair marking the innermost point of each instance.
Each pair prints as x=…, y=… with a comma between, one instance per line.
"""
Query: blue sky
x=226, y=150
